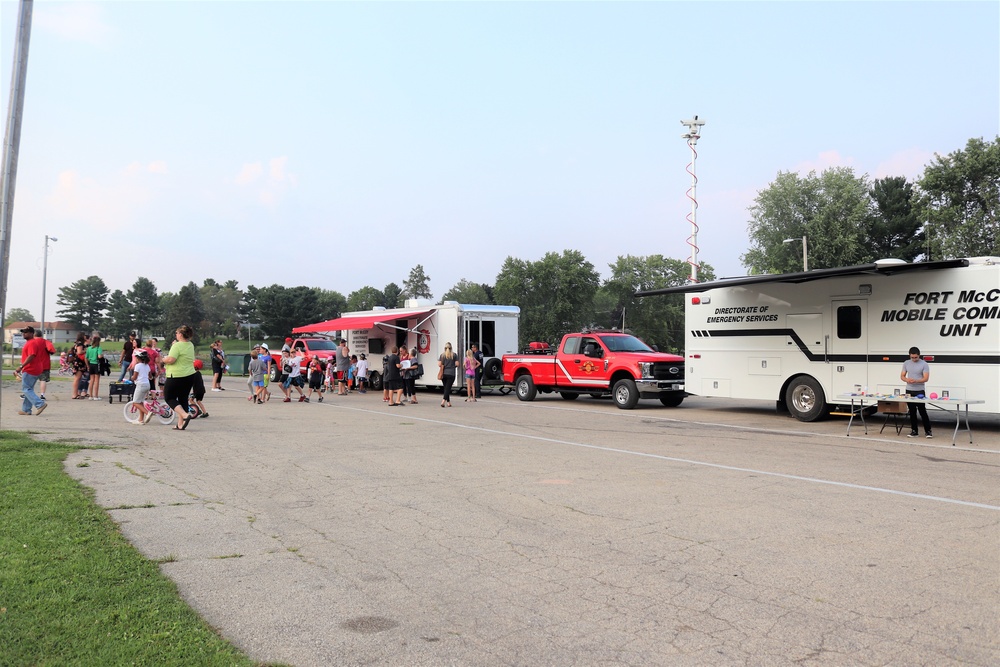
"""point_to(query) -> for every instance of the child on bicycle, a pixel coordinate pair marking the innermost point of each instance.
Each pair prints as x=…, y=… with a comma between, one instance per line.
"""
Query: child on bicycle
x=140, y=376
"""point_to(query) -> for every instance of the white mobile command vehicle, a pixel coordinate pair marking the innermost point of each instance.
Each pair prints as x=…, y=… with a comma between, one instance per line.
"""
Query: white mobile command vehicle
x=806, y=338
x=427, y=327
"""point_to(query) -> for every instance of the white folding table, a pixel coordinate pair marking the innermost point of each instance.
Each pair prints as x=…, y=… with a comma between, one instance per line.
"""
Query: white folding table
x=859, y=403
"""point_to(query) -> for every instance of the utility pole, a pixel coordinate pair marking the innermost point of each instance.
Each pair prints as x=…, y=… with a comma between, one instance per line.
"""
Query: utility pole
x=11, y=143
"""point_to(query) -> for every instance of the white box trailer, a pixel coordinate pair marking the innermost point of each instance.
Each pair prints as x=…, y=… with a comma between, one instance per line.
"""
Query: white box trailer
x=427, y=327
x=806, y=338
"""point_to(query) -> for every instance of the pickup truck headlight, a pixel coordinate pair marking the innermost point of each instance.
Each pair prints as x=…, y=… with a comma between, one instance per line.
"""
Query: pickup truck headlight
x=645, y=369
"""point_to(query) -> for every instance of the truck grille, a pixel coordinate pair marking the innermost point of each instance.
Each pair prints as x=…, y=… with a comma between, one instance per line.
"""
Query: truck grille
x=673, y=371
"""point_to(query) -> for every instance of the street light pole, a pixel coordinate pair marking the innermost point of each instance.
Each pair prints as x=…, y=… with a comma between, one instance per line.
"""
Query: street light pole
x=45, y=273
x=805, y=250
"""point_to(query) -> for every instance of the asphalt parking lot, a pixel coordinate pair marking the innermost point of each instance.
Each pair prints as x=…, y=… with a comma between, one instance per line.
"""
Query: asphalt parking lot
x=556, y=532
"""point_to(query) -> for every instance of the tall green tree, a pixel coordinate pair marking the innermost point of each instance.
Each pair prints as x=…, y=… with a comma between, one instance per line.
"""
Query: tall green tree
x=365, y=298
x=331, y=304
x=221, y=304
x=961, y=201
x=187, y=308
x=896, y=227
x=833, y=210
x=555, y=294
x=416, y=286
x=19, y=315
x=281, y=309
x=145, y=305
x=658, y=320
x=118, y=323
x=392, y=296
x=465, y=291
x=248, y=306
x=83, y=303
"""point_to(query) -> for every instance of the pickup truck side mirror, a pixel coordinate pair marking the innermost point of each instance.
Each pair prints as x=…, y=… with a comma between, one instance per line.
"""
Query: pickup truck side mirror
x=593, y=351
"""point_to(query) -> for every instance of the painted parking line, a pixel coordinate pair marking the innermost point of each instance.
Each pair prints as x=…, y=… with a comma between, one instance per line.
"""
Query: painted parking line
x=659, y=457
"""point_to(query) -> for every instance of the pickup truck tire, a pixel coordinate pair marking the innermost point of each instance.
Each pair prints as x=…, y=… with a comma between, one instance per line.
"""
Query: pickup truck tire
x=375, y=381
x=672, y=400
x=596, y=394
x=569, y=396
x=805, y=399
x=625, y=393
x=275, y=371
x=524, y=387
x=493, y=370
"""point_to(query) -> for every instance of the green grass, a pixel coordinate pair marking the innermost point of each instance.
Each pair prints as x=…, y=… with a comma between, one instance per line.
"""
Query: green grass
x=72, y=590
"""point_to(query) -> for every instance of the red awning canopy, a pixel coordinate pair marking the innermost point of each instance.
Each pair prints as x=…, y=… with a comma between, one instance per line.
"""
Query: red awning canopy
x=359, y=322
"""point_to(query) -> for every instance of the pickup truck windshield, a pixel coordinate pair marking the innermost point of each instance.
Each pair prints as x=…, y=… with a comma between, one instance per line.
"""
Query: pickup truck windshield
x=316, y=345
x=625, y=344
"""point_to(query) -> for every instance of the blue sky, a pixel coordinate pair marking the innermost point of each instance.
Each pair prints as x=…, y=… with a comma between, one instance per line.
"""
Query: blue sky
x=339, y=144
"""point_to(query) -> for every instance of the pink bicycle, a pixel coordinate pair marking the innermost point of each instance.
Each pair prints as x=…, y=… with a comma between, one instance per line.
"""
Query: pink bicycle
x=154, y=406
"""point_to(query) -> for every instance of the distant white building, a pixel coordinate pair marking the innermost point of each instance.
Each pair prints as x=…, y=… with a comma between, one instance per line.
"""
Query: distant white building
x=57, y=332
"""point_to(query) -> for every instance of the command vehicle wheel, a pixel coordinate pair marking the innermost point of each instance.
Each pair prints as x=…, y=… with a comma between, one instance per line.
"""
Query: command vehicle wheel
x=375, y=381
x=805, y=399
x=625, y=393
x=672, y=400
x=493, y=370
x=596, y=394
x=275, y=372
x=524, y=387
x=569, y=396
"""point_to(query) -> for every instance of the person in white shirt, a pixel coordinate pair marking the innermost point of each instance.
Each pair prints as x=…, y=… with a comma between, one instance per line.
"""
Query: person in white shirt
x=361, y=374
x=140, y=376
x=294, y=378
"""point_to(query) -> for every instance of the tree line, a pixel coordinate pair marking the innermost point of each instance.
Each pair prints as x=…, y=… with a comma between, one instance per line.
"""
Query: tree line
x=951, y=211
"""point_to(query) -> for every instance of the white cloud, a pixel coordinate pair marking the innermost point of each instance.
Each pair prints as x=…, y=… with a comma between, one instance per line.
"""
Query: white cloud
x=824, y=160
x=909, y=163
x=104, y=203
x=75, y=21
x=278, y=168
x=273, y=187
x=249, y=173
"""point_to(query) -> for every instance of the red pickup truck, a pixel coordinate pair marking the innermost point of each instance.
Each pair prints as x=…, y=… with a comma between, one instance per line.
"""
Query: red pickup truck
x=597, y=363
x=321, y=348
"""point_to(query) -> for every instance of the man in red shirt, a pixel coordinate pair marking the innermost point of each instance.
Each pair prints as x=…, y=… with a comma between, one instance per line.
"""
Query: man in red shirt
x=34, y=359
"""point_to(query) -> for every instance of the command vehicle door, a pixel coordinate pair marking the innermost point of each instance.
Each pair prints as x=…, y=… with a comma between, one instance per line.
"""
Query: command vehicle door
x=848, y=347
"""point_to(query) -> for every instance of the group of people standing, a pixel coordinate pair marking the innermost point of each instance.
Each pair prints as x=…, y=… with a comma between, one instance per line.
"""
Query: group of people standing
x=402, y=367
x=85, y=361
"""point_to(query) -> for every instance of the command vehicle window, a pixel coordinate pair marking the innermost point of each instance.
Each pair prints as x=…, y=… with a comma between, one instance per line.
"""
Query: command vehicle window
x=572, y=345
x=849, y=322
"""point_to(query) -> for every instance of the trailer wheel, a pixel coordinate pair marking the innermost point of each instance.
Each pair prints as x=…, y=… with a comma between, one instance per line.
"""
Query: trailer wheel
x=805, y=399
x=375, y=381
x=672, y=400
x=625, y=393
x=524, y=387
x=569, y=396
x=493, y=370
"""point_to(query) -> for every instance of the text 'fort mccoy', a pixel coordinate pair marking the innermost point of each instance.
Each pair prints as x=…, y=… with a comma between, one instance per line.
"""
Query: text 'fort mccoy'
x=966, y=315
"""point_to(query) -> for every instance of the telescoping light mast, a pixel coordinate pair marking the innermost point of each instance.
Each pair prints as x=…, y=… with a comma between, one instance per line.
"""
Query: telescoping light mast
x=692, y=136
